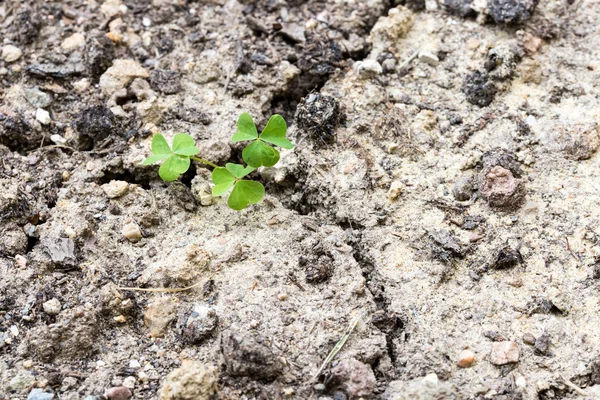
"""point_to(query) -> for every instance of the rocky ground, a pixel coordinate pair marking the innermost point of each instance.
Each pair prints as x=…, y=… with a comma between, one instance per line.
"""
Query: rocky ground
x=443, y=192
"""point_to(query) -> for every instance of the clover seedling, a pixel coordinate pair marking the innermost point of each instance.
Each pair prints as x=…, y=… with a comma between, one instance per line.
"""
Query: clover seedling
x=260, y=152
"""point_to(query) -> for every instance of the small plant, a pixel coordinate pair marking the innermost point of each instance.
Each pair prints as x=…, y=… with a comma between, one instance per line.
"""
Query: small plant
x=176, y=159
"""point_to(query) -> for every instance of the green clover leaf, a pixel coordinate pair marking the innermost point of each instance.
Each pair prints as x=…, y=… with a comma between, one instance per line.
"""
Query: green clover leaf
x=244, y=193
x=223, y=180
x=275, y=132
x=246, y=129
x=238, y=170
x=260, y=152
x=177, y=161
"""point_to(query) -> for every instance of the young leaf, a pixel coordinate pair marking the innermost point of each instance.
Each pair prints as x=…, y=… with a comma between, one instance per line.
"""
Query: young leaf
x=182, y=141
x=259, y=153
x=160, y=145
x=275, y=131
x=173, y=167
x=238, y=170
x=246, y=129
x=154, y=158
x=223, y=180
x=244, y=193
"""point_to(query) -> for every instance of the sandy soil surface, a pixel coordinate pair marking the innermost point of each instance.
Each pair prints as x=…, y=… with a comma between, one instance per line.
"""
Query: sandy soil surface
x=443, y=193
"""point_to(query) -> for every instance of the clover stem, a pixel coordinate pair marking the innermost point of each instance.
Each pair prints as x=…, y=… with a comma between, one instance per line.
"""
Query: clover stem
x=203, y=161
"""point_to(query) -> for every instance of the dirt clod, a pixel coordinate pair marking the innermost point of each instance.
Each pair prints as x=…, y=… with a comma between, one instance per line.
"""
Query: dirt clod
x=159, y=315
x=355, y=377
x=198, y=323
x=319, y=115
x=99, y=54
x=462, y=8
x=542, y=344
x=16, y=133
x=478, y=89
x=164, y=81
x=511, y=11
x=500, y=187
x=192, y=381
x=95, y=124
x=507, y=258
x=247, y=355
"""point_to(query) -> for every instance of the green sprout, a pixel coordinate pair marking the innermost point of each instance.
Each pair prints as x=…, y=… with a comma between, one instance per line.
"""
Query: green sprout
x=177, y=159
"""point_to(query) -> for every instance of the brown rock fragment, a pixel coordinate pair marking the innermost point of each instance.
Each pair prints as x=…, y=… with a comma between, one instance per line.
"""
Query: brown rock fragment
x=505, y=352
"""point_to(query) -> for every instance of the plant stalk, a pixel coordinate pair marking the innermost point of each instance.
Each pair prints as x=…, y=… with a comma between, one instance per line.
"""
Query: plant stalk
x=203, y=161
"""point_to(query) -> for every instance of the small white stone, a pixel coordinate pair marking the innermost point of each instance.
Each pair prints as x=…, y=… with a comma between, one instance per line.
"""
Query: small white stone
x=52, y=307
x=21, y=261
x=134, y=364
x=395, y=190
x=132, y=232
x=58, y=139
x=428, y=58
x=146, y=21
x=142, y=376
x=111, y=8
x=367, y=68
x=81, y=85
x=14, y=331
x=129, y=382
x=115, y=189
x=42, y=116
x=73, y=42
x=100, y=363
x=11, y=53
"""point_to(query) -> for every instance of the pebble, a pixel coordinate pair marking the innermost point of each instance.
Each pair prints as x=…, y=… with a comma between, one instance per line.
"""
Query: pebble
x=115, y=189
x=395, y=191
x=159, y=315
x=528, y=338
x=37, y=98
x=367, y=68
x=504, y=353
x=58, y=139
x=52, y=307
x=42, y=116
x=282, y=296
x=120, y=75
x=132, y=232
x=129, y=382
x=465, y=359
x=356, y=377
x=73, y=42
x=39, y=394
x=112, y=8
x=463, y=188
x=198, y=324
x=118, y=393
x=428, y=58
x=135, y=364
x=11, y=53
x=81, y=85
x=27, y=364
x=21, y=261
